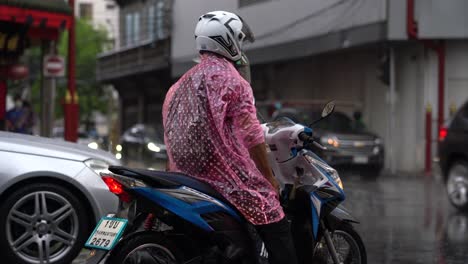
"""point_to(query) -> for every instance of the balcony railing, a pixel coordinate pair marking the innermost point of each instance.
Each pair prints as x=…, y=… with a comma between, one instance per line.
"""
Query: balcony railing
x=144, y=57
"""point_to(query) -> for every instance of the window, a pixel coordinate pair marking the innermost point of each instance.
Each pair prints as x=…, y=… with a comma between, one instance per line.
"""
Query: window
x=243, y=3
x=132, y=29
x=110, y=6
x=161, y=32
x=86, y=11
x=136, y=27
x=128, y=29
x=151, y=22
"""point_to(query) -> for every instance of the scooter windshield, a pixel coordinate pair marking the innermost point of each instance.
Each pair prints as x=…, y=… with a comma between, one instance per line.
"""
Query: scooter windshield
x=279, y=123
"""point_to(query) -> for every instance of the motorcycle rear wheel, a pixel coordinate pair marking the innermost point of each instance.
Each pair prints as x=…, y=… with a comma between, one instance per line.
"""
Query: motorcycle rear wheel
x=149, y=248
x=348, y=244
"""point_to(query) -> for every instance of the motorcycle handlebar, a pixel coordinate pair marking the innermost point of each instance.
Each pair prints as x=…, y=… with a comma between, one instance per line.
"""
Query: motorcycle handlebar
x=304, y=137
x=309, y=141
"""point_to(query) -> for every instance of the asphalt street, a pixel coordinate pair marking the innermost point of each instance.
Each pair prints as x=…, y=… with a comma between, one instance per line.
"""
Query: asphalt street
x=405, y=219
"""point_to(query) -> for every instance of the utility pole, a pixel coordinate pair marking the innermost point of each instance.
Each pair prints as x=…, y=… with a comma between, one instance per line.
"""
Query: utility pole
x=392, y=111
x=71, y=99
x=47, y=93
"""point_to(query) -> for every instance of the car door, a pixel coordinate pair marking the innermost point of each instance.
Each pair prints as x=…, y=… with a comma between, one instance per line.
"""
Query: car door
x=458, y=132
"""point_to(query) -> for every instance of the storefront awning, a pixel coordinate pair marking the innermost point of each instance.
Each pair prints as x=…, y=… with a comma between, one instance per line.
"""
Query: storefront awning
x=53, y=14
x=31, y=19
x=55, y=6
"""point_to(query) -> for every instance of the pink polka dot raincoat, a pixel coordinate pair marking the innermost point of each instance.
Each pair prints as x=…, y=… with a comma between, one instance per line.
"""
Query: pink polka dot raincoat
x=210, y=123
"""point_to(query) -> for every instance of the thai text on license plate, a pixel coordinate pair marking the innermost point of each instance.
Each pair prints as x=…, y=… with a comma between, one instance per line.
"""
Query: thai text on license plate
x=107, y=232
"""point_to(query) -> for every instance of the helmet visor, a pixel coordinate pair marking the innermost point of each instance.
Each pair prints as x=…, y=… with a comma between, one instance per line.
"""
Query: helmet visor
x=249, y=36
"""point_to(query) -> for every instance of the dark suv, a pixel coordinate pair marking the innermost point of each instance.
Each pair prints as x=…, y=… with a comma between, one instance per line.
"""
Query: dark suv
x=349, y=144
x=453, y=154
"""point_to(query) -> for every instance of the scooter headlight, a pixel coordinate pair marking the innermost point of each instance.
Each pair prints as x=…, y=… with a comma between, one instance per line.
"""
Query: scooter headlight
x=331, y=171
x=336, y=177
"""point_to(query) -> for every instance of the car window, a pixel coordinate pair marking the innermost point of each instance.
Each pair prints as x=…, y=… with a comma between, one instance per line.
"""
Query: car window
x=338, y=122
x=464, y=111
x=460, y=120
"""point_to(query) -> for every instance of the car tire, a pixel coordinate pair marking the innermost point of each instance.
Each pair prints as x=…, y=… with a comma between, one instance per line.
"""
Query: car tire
x=457, y=184
x=42, y=221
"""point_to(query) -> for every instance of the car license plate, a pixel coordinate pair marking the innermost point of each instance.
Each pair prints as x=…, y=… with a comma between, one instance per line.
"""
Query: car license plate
x=360, y=159
x=107, y=232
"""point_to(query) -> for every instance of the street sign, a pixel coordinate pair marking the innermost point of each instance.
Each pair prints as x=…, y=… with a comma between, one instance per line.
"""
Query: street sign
x=53, y=66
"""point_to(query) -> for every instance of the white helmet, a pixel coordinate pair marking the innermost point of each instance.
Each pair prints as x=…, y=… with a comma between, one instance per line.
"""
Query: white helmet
x=223, y=33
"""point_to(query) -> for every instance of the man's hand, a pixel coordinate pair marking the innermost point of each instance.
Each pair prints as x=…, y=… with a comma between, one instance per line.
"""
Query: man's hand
x=259, y=156
x=276, y=185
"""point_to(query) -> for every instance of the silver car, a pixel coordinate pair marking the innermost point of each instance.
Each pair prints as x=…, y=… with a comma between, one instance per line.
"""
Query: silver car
x=50, y=198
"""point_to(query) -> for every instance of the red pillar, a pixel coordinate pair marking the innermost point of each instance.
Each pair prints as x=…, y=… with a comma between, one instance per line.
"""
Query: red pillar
x=428, y=159
x=3, y=94
x=71, y=100
x=441, y=85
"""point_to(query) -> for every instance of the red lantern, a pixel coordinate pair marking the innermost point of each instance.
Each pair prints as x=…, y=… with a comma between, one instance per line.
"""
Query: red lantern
x=17, y=72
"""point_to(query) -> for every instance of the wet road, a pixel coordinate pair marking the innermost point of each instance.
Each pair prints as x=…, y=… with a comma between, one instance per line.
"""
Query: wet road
x=407, y=219
x=404, y=220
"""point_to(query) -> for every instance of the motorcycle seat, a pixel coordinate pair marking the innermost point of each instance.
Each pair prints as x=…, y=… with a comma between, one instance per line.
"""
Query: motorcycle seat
x=163, y=179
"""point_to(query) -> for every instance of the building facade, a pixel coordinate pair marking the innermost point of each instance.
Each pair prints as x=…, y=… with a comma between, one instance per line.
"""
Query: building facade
x=103, y=14
x=323, y=50
x=139, y=68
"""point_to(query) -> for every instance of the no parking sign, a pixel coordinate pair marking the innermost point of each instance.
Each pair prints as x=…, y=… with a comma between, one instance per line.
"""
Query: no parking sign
x=54, y=66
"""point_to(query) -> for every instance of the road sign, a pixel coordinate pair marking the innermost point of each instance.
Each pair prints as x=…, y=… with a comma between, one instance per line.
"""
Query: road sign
x=53, y=66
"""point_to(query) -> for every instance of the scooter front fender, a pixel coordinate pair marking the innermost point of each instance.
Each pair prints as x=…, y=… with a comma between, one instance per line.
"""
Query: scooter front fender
x=338, y=216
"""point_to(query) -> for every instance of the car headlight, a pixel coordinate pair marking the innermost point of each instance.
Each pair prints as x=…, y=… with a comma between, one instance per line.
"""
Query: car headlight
x=97, y=166
x=155, y=147
x=332, y=141
x=93, y=145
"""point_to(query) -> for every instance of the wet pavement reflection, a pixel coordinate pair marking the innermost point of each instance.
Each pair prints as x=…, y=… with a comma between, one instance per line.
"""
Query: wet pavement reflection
x=407, y=219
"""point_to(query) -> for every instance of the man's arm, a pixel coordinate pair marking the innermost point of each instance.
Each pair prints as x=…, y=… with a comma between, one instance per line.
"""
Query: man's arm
x=259, y=155
x=244, y=114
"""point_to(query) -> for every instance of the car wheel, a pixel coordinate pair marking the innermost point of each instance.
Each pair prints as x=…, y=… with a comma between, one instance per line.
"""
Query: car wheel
x=42, y=223
x=457, y=185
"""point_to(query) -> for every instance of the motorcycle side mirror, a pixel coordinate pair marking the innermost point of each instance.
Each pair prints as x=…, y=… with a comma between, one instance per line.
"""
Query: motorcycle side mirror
x=328, y=109
x=326, y=112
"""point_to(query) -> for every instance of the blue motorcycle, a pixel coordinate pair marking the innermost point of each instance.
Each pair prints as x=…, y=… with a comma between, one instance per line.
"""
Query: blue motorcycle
x=169, y=217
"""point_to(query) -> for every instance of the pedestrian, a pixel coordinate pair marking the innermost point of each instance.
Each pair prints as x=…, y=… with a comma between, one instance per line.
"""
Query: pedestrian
x=212, y=132
x=14, y=117
x=28, y=118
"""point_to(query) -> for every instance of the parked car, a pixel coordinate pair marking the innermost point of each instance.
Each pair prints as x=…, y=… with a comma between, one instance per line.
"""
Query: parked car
x=453, y=155
x=50, y=198
x=348, y=143
x=143, y=144
x=84, y=138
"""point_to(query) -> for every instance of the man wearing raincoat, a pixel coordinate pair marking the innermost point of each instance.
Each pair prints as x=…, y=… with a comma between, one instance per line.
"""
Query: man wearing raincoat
x=212, y=132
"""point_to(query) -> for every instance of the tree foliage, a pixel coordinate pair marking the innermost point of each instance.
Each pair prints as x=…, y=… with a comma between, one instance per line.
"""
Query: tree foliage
x=89, y=43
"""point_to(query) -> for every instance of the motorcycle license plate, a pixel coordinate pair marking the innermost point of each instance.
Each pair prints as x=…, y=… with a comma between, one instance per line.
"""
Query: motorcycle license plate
x=360, y=160
x=106, y=233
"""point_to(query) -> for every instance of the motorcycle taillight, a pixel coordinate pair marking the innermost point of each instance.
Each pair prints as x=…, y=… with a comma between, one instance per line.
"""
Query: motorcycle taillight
x=117, y=188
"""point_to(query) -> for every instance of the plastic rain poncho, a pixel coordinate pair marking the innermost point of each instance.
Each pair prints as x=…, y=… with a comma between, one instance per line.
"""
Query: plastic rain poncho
x=210, y=124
